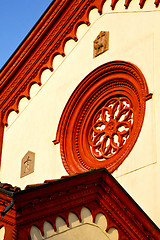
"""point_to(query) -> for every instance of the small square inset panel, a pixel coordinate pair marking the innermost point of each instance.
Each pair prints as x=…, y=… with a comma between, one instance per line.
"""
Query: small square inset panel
x=101, y=43
x=27, y=165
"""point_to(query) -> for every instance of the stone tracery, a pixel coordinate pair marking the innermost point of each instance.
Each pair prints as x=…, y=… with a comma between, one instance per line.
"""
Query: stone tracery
x=103, y=118
x=111, y=127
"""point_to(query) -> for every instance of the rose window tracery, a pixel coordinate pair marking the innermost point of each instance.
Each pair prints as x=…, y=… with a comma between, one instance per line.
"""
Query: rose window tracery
x=103, y=117
x=111, y=127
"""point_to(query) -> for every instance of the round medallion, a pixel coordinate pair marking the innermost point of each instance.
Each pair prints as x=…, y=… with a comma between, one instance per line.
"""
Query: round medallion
x=103, y=118
x=111, y=127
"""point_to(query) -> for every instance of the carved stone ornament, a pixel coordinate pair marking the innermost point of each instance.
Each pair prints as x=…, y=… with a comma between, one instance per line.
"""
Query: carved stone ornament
x=103, y=118
x=111, y=127
x=27, y=165
x=101, y=43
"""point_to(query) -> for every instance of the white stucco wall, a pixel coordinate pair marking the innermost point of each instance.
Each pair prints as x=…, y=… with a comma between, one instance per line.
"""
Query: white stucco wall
x=2, y=232
x=133, y=36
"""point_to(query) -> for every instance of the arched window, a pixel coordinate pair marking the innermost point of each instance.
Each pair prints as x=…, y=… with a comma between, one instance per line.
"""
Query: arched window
x=103, y=118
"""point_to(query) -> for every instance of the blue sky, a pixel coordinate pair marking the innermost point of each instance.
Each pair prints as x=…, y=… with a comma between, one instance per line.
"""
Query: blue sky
x=17, y=17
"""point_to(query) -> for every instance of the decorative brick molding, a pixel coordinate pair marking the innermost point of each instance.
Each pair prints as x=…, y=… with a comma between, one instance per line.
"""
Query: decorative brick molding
x=97, y=191
x=73, y=227
x=36, y=53
x=103, y=118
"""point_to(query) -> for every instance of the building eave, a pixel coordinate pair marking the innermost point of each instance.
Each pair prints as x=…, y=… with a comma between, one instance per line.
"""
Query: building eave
x=97, y=190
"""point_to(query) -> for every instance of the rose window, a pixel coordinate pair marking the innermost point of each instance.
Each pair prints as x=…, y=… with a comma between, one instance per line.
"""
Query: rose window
x=103, y=117
x=111, y=127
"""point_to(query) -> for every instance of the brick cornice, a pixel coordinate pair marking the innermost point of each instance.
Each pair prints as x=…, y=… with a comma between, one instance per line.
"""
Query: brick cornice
x=97, y=190
x=36, y=54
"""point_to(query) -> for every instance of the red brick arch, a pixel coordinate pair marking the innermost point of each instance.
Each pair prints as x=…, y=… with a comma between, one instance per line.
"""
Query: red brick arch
x=103, y=118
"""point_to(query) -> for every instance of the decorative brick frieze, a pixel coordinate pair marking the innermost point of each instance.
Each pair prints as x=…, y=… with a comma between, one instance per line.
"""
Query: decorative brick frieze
x=97, y=191
x=36, y=53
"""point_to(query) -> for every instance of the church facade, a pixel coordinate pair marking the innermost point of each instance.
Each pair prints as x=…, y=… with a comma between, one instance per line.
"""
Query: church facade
x=79, y=102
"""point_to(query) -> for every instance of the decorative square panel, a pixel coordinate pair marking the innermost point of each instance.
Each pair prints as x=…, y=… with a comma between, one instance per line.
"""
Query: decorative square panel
x=101, y=43
x=27, y=165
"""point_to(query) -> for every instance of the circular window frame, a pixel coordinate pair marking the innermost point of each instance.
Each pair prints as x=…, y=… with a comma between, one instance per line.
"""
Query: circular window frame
x=117, y=78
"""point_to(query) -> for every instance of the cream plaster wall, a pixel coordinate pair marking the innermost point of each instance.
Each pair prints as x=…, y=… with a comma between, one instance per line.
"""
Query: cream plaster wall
x=88, y=231
x=133, y=36
x=2, y=232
